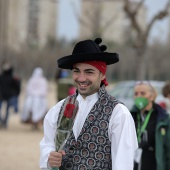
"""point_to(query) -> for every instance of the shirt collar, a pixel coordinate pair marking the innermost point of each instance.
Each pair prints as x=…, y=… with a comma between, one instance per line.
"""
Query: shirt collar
x=88, y=98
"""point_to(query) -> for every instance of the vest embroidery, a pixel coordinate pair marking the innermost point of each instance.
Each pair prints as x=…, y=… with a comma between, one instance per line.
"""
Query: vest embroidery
x=92, y=150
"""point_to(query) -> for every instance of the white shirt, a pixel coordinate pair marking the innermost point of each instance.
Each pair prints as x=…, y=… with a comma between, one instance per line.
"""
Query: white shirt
x=121, y=132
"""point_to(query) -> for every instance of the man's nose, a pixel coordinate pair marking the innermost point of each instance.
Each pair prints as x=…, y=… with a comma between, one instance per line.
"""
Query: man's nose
x=81, y=77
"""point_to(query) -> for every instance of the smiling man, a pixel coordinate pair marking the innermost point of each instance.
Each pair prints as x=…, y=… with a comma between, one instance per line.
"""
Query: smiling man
x=103, y=136
x=87, y=77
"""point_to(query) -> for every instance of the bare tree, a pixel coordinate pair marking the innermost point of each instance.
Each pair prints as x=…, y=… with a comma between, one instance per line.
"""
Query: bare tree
x=140, y=42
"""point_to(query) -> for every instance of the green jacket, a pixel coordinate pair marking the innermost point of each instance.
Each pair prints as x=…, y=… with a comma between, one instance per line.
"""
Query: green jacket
x=162, y=137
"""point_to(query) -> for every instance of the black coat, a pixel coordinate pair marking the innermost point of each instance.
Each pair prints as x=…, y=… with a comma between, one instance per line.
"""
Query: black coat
x=9, y=85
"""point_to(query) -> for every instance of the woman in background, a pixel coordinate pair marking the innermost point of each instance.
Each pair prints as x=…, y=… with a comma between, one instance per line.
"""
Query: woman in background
x=152, y=126
x=36, y=105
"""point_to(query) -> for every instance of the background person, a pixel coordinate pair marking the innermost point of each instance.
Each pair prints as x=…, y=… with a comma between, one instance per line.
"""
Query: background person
x=166, y=94
x=10, y=87
x=71, y=90
x=36, y=102
x=152, y=127
x=103, y=135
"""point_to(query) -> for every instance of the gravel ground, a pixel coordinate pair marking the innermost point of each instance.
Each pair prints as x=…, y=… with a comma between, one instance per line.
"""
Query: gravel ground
x=19, y=143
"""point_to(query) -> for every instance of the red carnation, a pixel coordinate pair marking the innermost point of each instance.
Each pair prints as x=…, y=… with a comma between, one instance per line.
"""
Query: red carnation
x=68, y=112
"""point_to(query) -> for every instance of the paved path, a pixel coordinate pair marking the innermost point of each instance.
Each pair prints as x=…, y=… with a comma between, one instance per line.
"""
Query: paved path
x=19, y=144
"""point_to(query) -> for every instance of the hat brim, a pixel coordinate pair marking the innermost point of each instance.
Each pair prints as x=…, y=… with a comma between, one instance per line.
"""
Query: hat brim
x=68, y=61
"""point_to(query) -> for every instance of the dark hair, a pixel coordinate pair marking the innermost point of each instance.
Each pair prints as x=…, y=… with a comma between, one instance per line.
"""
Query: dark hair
x=166, y=89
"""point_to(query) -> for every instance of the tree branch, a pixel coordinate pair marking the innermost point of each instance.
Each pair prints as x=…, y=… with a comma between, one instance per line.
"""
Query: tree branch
x=132, y=14
x=159, y=16
x=138, y=6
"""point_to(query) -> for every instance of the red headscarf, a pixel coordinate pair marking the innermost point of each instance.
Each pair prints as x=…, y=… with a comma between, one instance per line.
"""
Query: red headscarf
x=101, y=66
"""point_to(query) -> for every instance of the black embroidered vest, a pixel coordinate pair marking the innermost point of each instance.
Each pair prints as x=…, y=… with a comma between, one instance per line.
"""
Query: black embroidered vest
x=92, y=150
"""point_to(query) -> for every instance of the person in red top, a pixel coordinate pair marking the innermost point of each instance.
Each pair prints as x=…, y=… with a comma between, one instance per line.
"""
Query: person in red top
x=166, y=93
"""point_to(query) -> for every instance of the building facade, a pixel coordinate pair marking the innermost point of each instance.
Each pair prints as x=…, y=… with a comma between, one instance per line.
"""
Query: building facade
x=27, y=21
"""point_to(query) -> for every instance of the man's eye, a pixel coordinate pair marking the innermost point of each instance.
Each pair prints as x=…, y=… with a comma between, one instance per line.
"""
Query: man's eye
x=75, y=71
x=89, y=72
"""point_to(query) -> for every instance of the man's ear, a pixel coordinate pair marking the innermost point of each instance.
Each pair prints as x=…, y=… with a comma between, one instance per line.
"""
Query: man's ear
x=103, y=76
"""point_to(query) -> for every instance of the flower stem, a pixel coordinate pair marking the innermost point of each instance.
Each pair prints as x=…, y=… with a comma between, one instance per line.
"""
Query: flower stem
x=54, y=168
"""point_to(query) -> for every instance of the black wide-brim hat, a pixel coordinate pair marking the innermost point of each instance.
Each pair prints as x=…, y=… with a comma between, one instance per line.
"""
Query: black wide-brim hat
x=88, y=50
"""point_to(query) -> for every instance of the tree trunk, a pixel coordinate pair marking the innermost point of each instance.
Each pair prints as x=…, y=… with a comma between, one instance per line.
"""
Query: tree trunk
x=140, y=64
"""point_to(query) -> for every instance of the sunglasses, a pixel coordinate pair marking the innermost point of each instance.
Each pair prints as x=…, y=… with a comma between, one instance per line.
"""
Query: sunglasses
x=143, y=82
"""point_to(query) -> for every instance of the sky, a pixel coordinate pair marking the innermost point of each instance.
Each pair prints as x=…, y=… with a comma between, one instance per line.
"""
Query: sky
x=68, y=26
x=67, y=22
x=160, y=26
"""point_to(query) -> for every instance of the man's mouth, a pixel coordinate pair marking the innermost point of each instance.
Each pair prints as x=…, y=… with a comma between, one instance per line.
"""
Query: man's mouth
x=83, y=84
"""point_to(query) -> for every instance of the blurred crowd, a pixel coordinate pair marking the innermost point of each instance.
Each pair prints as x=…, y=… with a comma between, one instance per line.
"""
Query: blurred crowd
x=35, y=104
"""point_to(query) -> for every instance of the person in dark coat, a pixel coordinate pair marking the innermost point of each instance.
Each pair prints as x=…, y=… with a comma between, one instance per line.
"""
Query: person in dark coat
x=153, y=130
x=9, y=92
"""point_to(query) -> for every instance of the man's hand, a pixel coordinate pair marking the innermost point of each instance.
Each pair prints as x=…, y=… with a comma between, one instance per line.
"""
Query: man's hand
x=55, y=158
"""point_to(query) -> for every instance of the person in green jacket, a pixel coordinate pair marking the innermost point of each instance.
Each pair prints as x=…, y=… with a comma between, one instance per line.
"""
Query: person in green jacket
x=153, y=130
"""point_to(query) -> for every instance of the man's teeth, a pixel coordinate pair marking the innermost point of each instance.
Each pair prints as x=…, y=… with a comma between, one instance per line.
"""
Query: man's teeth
x=83, y=85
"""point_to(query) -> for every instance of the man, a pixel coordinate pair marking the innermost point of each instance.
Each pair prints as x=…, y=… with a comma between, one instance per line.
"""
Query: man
x=103, y=135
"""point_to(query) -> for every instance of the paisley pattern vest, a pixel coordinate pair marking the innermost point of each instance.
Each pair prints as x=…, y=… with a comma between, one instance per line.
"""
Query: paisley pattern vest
x=92, y=150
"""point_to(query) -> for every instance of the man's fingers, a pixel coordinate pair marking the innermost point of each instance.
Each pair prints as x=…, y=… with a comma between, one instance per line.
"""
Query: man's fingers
x=55, y=158
x=62, y=152
x=54, y=163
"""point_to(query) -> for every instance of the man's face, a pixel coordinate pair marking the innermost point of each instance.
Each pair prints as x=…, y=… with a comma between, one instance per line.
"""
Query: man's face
x=87, y=79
